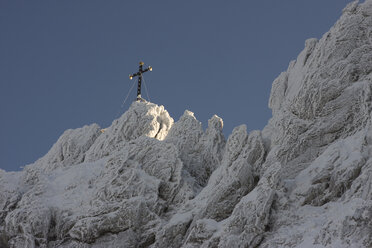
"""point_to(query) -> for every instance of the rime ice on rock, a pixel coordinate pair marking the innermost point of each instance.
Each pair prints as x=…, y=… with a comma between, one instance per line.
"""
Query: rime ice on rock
x=304, y=181
x=142, y=118
x=91, y=184
x=71, y=147
x=200, y=152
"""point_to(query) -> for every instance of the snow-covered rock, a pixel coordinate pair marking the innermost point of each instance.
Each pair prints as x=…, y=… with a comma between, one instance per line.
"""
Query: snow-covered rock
x=141, y=119
x=305, y=180
x=200, y=152
x=70, y=148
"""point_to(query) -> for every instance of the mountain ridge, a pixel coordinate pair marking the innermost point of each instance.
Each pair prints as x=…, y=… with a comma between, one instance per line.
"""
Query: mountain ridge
x=305, y=180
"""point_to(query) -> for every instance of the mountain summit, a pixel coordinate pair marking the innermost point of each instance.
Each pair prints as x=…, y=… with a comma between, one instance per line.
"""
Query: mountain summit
x=305, y=180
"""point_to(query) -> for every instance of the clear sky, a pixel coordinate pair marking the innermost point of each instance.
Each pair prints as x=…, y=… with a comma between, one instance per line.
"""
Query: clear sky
x=65, y=64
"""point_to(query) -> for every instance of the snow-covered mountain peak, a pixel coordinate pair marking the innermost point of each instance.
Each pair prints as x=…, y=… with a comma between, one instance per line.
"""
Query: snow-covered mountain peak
x=147, y=181
x=324, y=93
x=141, y=119
x=188, y=113
x=215, y=122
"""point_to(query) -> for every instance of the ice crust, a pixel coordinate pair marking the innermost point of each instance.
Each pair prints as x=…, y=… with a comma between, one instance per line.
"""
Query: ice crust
x=305, y=180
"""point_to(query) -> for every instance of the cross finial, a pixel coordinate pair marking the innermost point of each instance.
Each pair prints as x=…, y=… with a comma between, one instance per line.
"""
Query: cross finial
x=139, y=74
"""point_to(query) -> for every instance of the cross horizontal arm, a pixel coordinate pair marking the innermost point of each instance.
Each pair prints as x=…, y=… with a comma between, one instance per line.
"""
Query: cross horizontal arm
x=140, y=72
x=134, y=75
x=147, y=69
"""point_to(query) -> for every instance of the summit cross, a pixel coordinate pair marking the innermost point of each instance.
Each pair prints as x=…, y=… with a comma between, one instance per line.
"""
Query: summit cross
x=139, y=74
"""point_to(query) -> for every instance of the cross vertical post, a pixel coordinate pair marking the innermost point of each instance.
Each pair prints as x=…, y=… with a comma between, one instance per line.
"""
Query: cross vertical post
x=139, y=74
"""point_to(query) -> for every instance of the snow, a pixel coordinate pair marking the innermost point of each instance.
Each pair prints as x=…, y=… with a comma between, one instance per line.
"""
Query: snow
x=305, y=180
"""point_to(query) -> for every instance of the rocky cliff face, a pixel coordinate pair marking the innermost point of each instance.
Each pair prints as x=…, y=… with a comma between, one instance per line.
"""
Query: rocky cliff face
x=147, y=181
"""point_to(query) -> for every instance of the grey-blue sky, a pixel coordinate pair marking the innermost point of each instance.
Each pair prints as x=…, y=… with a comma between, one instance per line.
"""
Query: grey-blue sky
x=64, y=64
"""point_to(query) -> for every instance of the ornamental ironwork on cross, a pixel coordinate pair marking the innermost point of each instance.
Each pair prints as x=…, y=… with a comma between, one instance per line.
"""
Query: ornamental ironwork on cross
x=139, y=74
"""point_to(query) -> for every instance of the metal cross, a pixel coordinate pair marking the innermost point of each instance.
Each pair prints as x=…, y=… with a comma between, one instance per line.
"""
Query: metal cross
x=139, y=74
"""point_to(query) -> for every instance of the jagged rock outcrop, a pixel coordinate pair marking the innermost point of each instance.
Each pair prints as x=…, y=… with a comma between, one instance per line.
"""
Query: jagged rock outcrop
x=324, y=95
x=305, y=180
x=200, y=151
x=70, y=148
x=92, y=187
x=230, y=182
x=148, y=120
